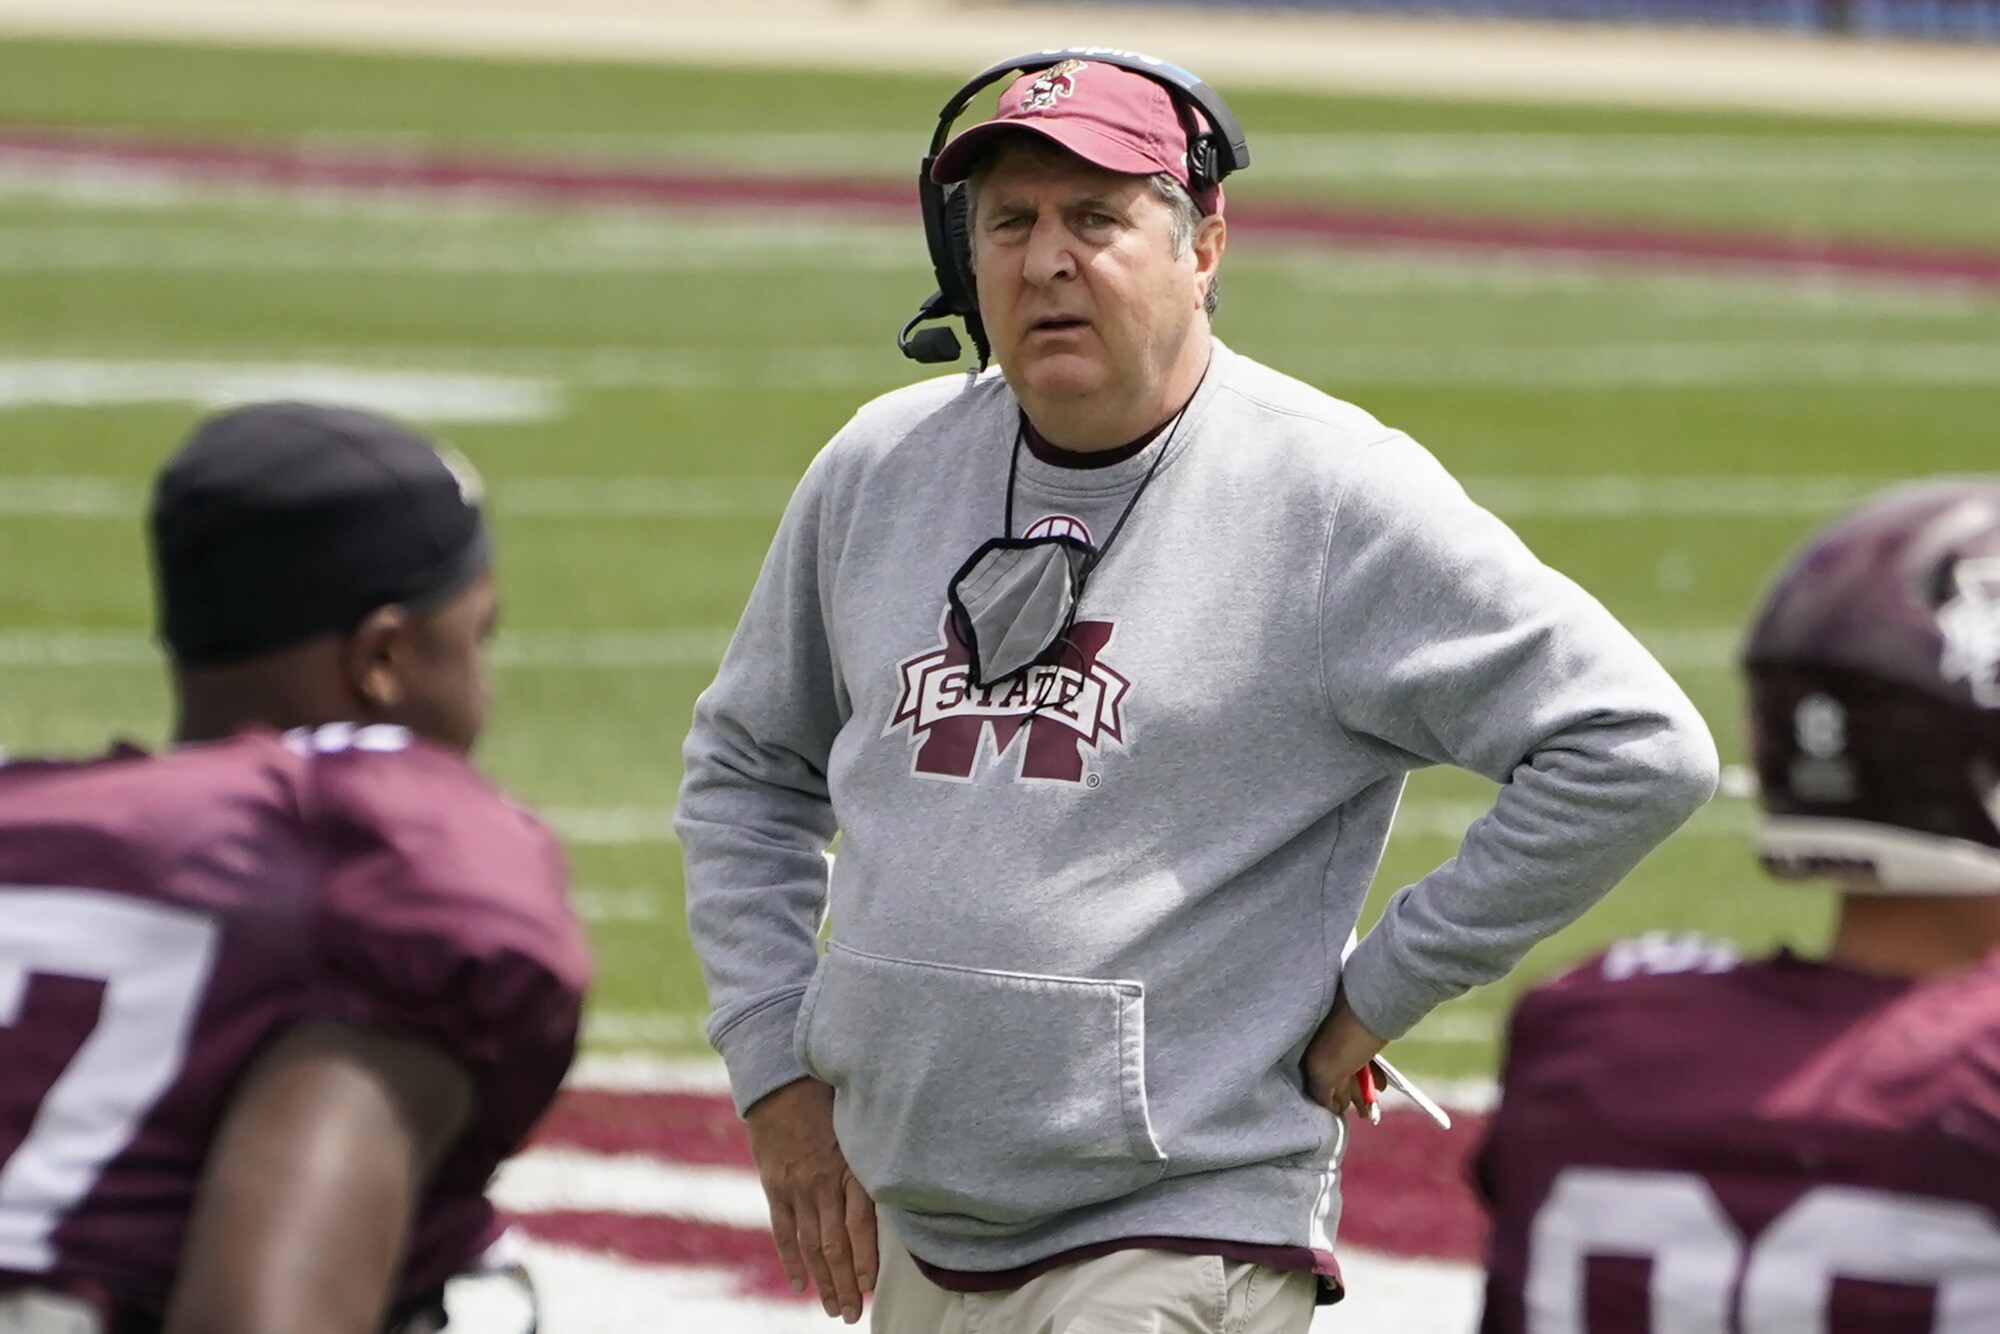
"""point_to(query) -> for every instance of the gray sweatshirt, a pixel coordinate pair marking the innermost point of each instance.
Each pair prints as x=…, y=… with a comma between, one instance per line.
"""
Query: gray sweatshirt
x=1073, y=958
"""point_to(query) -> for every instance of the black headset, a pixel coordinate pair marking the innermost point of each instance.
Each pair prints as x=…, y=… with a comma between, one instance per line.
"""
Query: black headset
x=1211, y=155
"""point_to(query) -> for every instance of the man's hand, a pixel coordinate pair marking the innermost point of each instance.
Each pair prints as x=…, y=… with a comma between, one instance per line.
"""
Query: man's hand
x=821, y=1219
x=1334, y=1057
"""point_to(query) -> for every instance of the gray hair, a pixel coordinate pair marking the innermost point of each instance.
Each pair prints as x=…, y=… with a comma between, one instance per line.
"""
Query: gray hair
x=1183, y=221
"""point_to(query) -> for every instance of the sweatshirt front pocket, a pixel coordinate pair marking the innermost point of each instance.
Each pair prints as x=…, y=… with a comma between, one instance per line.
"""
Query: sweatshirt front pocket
x=1002, y=1098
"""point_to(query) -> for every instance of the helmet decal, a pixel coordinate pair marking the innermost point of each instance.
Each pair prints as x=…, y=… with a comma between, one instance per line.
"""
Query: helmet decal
x=1971, y=625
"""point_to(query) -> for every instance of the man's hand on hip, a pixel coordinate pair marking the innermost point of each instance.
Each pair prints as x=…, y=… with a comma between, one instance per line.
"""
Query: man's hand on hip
x=821, y=1219
x=1334, y=1057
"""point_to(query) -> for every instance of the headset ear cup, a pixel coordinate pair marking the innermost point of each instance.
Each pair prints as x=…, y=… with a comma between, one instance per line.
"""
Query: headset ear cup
x=1201, y=160
x=958, y=242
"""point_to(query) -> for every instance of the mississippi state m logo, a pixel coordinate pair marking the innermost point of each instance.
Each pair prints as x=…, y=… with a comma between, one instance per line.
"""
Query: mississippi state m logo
x=949, y=720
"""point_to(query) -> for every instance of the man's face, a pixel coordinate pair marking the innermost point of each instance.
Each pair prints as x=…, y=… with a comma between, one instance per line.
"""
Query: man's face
x=445, y=690
x=1079, y=287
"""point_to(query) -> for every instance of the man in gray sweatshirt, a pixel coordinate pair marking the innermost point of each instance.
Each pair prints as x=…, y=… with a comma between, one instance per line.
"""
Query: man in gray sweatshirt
x=1107, y=670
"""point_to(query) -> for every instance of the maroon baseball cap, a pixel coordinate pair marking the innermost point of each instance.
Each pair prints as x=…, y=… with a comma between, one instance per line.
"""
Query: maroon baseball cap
x=1108, y=116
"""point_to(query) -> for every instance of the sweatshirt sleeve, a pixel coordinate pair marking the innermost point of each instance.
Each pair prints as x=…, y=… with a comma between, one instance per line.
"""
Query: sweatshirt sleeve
x=754, y=817
x=1444, y=638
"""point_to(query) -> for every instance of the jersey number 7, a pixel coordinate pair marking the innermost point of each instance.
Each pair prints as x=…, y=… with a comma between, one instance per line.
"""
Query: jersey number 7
x=154, y=962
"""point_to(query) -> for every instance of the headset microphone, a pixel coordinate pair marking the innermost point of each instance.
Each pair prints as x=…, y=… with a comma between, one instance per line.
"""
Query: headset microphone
x=932, y=346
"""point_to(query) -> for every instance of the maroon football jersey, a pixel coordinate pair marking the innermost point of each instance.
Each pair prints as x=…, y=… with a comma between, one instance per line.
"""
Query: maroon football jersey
x=163, y=918
x=1689, y=1145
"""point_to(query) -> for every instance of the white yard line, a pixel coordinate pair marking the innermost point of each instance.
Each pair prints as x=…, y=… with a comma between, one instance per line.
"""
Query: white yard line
x=627, y=1073
x=594, y=498
x=641, y=497
x=439, y=238
x=115, y=251
x=595, y=904
x=467, y=396
x=1681, y=291
x=638, y=1073
x=1654, y=365
x=610, y=826
x=1630, y=496
x=587, y=1292
x=444, y=396
x=607, y=650
x=632, y=1183
x=1615, y=496
x=1391, y=1293
x=621, y=826
x=627, y=1028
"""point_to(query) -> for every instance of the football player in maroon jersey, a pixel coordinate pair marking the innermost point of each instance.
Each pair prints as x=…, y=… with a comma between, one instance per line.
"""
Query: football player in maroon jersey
x=1691, y=1143
x=276, y=1002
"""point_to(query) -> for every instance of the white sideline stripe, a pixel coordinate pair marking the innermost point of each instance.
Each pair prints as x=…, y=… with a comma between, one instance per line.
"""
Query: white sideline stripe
x=620, y=1028
x=1655, y=365
x=614, y=826
x=623, y=1073
x=604, y=650
x=1609, y=496
x=1630, y=496
x=223, y=253
x=630, y=1183
x=618, y=650
x=1455, y=271
x=611, y=826
x=427, y=395
x=431, y=237
x=71, y=497
x=593, y=904
x=1685, y=365
x=1406, y=1296
x=641, y=497
x=1455, y=1028
x=587, y=1292
x=628, y=1073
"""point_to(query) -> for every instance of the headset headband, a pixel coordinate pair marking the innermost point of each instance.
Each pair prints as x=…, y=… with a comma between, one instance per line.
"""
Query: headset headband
x=1213, y=153
x=1232, y=150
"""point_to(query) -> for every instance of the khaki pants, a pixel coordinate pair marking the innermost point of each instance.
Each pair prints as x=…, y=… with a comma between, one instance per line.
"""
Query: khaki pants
x=1126, y=1292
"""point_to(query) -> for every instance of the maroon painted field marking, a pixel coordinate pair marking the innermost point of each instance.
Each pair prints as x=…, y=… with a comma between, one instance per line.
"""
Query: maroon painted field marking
x=560, y=182
x=697, y=1128
x=1405, y=1189
x=654, y=1239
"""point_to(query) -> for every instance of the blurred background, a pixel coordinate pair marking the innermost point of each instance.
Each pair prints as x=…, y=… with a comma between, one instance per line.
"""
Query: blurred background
x=1665, y=282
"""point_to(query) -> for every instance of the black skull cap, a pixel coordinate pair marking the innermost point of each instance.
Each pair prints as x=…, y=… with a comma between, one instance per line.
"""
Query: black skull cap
x=276, y=523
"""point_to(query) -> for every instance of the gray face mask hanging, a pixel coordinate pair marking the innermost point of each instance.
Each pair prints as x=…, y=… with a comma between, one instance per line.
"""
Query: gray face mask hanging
x=1014, y=600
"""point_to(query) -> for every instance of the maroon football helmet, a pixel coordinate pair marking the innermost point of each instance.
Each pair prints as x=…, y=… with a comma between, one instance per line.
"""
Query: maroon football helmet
x=1874, y=671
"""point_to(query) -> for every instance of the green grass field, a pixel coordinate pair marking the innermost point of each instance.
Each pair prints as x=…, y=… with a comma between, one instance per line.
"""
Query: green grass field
x=1664, y=437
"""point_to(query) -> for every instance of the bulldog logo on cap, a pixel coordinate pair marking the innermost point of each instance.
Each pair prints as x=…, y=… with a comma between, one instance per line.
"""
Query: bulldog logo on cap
x=1056, y=82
